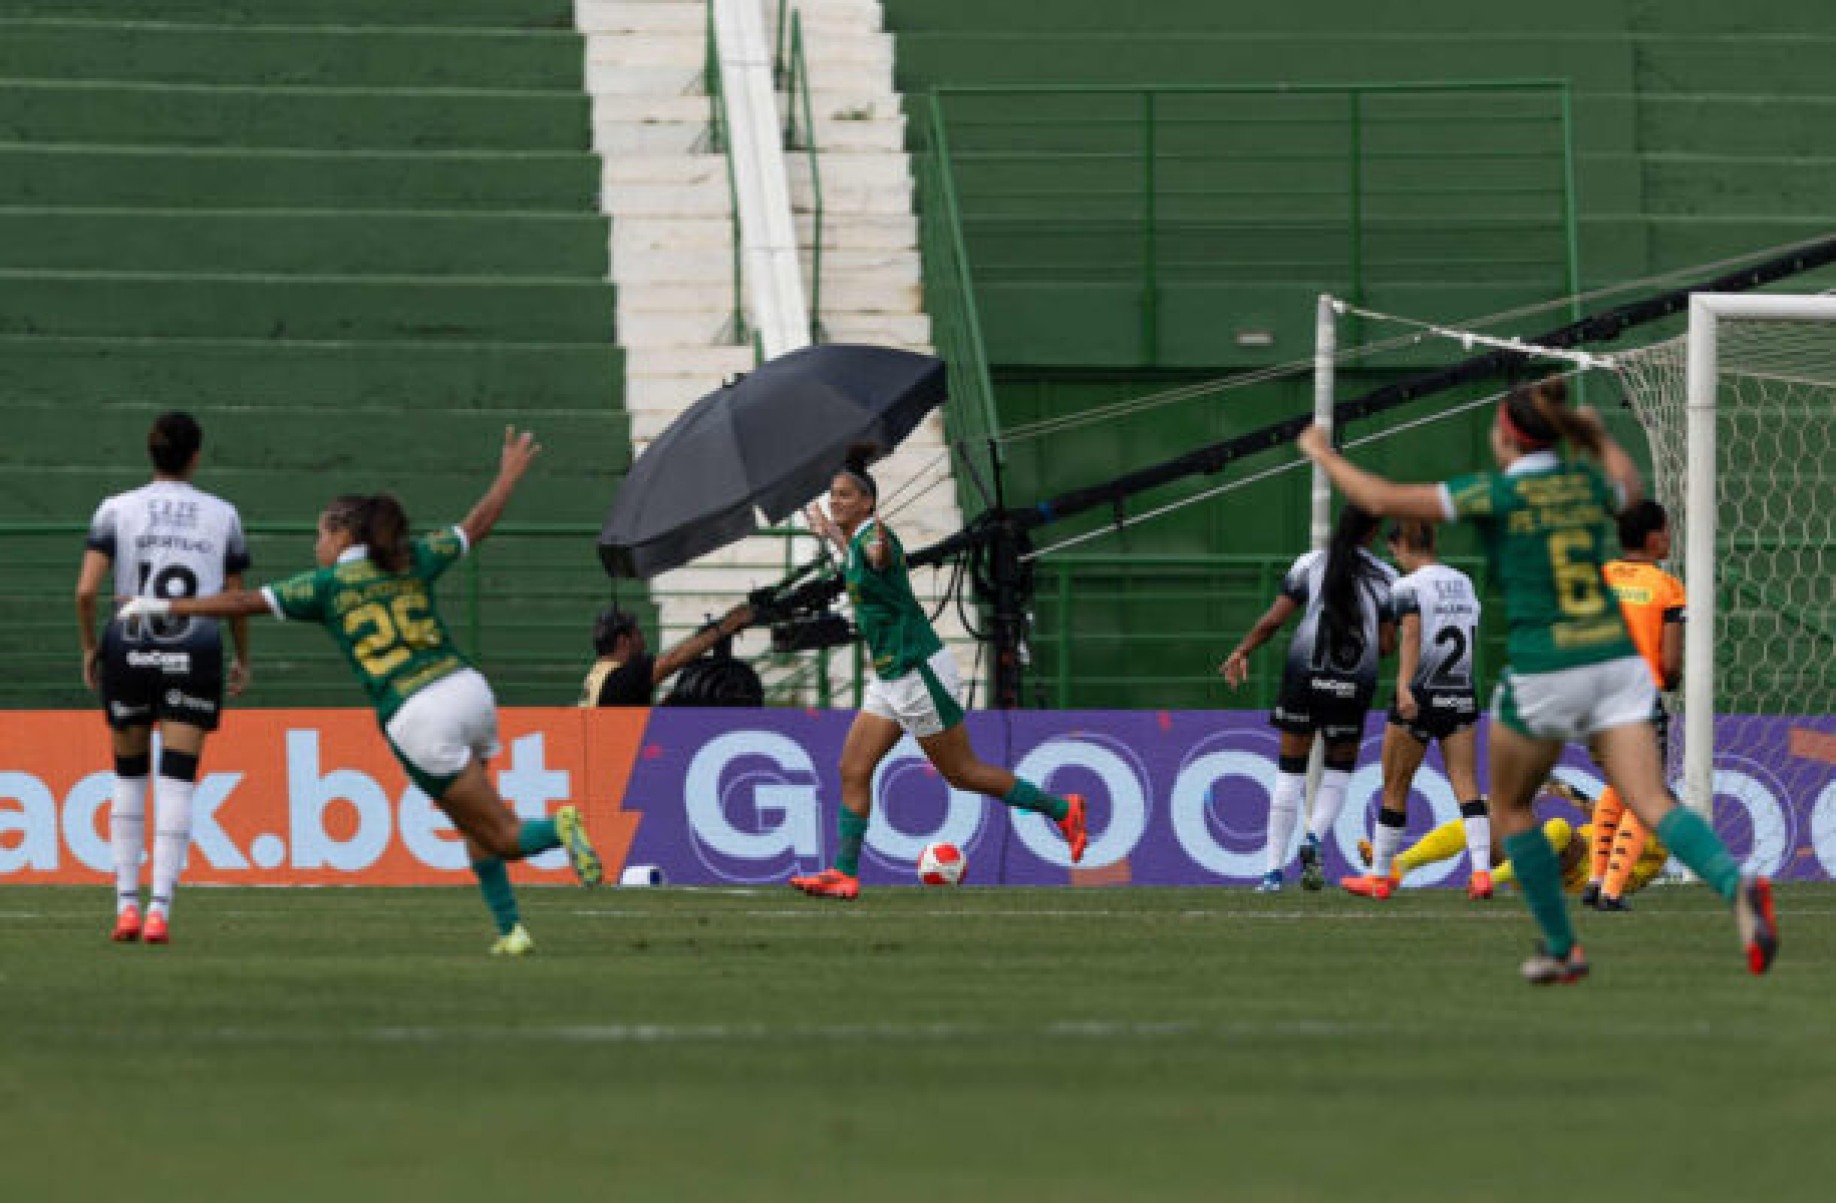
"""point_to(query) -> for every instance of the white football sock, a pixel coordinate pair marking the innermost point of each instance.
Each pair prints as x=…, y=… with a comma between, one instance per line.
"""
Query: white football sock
x=1479, y=841
x=127, y=837
x=171, y=838
x=1284, y=813
x=1328, y=801
x=1386, y=842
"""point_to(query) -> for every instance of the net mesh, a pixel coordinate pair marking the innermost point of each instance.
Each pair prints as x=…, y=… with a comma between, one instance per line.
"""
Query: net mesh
x=1766, y=774
x=1775, y=489
x=1774, y=565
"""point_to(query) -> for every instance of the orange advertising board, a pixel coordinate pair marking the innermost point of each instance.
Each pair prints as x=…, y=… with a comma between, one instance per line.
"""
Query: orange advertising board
x=308, y=797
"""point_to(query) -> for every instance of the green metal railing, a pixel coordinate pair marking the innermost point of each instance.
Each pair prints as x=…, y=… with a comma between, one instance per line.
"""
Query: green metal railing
x=1315, y=184
x=970, y=418
x=1148, y=631
x=521, y=607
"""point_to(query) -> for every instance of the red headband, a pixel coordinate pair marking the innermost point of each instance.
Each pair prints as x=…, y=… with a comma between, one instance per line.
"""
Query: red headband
x=1517, y=432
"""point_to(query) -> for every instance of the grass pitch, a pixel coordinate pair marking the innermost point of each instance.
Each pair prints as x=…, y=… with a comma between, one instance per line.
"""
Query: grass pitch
x=918, y=1044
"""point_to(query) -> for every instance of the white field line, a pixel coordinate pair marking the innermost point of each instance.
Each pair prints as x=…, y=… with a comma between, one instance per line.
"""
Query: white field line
x=1375, y=914
x=1098, y=1030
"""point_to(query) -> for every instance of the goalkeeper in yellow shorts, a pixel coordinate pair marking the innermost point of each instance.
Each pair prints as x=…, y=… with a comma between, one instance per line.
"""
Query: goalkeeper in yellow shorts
x=1571, y=847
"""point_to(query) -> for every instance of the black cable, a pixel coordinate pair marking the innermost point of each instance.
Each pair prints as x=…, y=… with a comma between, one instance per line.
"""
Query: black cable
x=1215, y=457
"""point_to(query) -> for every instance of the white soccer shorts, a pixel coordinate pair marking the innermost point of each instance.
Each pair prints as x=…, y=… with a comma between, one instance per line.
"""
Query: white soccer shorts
x=444, y=725
x=926, y=701
x=1573, y=704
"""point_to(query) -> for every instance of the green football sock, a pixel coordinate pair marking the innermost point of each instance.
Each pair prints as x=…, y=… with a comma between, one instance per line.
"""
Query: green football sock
x=1540, y=876
x=494, y=884
x=1692, y=841
x=1027, y=796
x=853, y=831
x=537, y=835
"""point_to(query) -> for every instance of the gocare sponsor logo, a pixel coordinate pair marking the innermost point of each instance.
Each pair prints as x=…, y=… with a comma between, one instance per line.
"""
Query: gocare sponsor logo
x=166, y=662
x=754, y=804
x=759, y=805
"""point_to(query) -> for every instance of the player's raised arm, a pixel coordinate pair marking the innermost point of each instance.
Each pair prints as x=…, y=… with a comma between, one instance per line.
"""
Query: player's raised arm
x=1367, y=490
x=824, y=528
x=518, y=453
x=877, y=548
x=237, y=604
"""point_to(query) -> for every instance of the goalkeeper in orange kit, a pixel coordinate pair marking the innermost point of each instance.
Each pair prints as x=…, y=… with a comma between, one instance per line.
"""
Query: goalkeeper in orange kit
x=1653, y=604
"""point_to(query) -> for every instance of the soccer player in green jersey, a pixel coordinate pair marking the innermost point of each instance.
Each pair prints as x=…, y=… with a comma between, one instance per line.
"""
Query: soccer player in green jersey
x=915, y=687
x=373, y=592
x=1574, y=674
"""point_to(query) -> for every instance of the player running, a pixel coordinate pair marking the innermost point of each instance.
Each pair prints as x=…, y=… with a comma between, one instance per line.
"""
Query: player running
x=1574, y=673
x=1343, y=597
x=915, y=687
x=164, y=539
x=373, y=592
x=1437, y=611
x=1653, y=603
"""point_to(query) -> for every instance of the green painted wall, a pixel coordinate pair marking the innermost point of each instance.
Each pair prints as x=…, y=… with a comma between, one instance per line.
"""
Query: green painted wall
x=356, y=242
x=1700, y=131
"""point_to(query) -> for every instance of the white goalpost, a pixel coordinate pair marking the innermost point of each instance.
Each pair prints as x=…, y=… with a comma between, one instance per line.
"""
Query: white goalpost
x=1740, y=413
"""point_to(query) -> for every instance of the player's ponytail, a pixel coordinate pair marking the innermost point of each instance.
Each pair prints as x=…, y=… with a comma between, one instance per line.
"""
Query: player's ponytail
x=1341, y=615
x=1580, y=427
x=385, y=532
x=1537, y=416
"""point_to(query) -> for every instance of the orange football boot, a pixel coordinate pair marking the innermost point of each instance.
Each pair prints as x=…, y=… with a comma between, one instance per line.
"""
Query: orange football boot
x=830, y=883
x=127, y=926
x=1073, y=826
x=1759, y=922
x=1371, y=885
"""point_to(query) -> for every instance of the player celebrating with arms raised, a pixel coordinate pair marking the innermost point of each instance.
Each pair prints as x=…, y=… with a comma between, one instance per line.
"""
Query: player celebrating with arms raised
x=1574, y=673
x=915, y=686
x=373, y=592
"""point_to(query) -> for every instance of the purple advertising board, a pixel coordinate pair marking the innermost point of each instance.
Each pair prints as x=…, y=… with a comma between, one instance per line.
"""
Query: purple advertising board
x=1177, y=798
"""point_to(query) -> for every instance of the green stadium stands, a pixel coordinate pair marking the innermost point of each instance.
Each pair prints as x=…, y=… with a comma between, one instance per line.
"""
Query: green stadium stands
x=1699, y=132
x=357, y=239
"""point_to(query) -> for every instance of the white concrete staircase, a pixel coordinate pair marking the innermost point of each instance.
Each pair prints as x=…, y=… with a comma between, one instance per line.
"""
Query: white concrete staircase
x=667, y=193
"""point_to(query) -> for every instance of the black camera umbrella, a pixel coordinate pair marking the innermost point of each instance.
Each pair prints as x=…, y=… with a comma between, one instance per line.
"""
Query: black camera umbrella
x=766, y=442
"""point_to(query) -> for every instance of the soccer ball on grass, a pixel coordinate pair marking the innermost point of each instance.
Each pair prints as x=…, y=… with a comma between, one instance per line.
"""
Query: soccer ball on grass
x=942, y=865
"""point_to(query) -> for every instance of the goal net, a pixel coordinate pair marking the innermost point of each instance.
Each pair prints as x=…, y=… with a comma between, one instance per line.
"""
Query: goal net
x=1740, y=413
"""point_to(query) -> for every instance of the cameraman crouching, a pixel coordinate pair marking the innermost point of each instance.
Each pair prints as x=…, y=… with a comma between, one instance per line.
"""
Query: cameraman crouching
x=626, y=674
